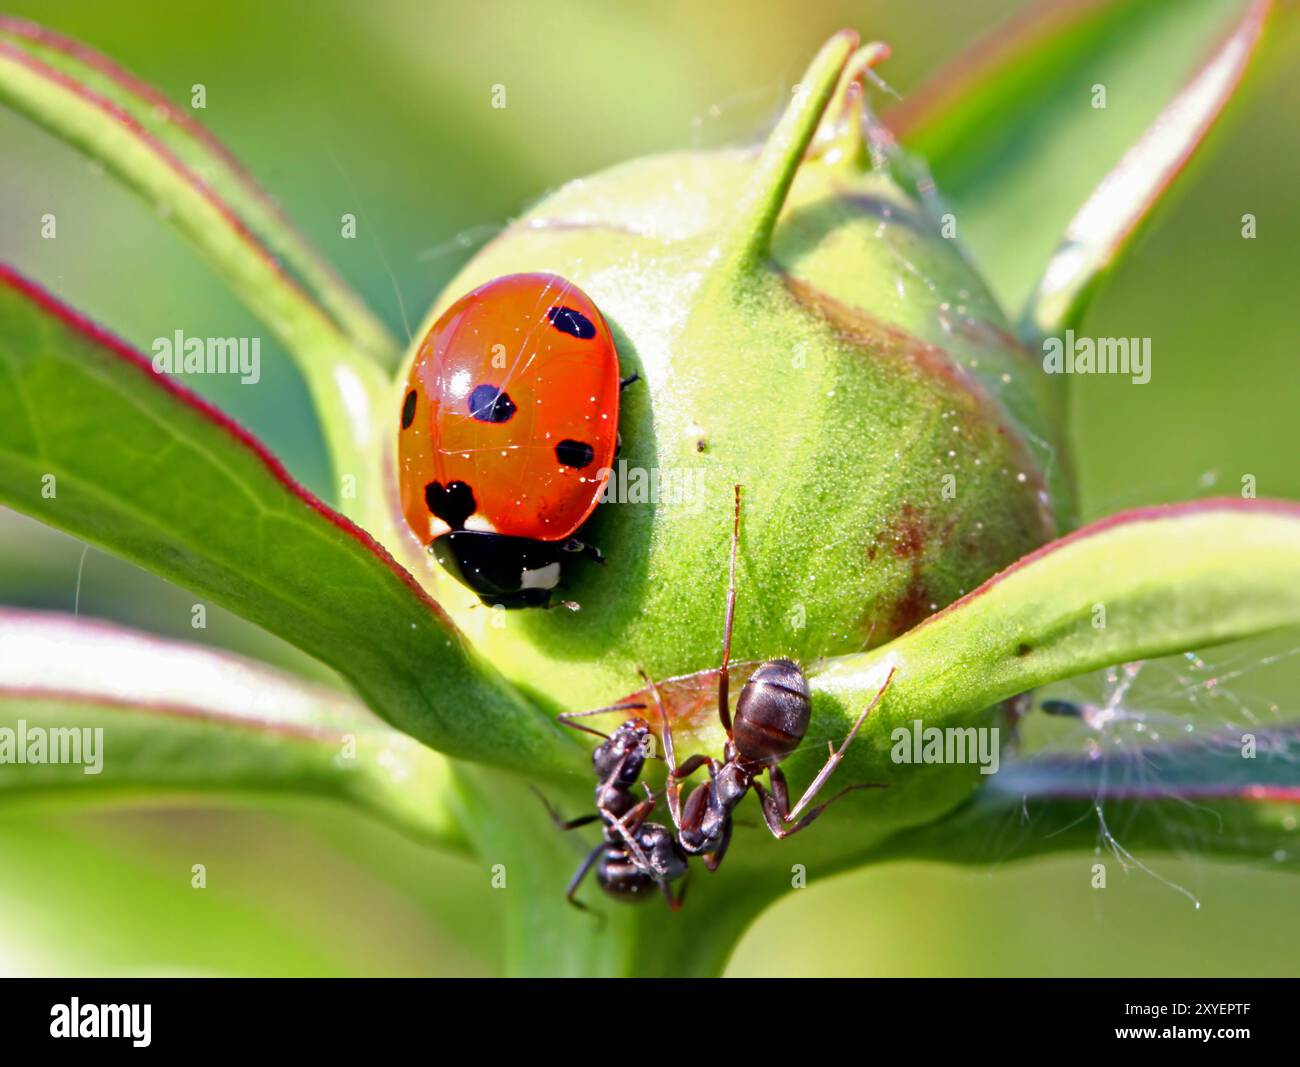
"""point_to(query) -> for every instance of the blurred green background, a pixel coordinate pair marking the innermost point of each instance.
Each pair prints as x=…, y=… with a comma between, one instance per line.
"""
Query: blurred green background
x=382, y=109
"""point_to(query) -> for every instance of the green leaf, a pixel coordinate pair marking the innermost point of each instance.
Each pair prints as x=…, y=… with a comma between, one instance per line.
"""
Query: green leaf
x=95, y=443
x=1025, y=160
x=1200, y=798
x=173, y=718
x=1138, y=584
x=166, y=158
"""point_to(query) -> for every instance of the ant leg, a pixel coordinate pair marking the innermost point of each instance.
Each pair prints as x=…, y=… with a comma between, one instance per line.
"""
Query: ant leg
x=670, y=752
x=781, y=829
x=640, y=812
x=580, y=874
x=828, y=768
x=673, y=785
x=694, y=763
x=565, y=717
x=692, y=816
x=774, y=809
x=676, y=772
x=558, y=819
x=631, y=822
x=724, y=672
x=674, y=904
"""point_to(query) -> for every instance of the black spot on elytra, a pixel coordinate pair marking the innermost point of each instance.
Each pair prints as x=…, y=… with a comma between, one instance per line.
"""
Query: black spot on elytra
x=574, y=323
x=408, y=409
x=453, y=504
x=574, y=453
x=487, y=403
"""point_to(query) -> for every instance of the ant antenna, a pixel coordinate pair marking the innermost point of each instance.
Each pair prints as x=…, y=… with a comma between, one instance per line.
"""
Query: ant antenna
x=670, y=753
x=724, y=675
x=567, y=717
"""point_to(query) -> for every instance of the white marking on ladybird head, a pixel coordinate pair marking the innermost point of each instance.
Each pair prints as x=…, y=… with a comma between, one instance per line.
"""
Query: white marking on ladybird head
x=547, y=577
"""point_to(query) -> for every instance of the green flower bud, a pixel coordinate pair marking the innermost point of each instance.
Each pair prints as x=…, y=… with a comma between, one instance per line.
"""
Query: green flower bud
x=803, y=324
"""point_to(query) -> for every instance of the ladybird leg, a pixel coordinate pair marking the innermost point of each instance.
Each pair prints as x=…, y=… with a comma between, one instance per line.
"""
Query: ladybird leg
x=629, y=380
x=590, y=551
x=828, y=768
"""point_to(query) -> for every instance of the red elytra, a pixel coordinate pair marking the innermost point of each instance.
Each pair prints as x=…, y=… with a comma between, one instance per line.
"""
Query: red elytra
x=509, y=426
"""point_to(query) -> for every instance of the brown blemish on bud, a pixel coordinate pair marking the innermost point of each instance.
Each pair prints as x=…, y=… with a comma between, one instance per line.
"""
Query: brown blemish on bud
x=911, y=530
x=908, y=536
x=913, y=606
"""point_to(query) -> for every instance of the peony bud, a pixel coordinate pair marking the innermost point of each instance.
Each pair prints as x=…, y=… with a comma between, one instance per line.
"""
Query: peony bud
x=804, y=323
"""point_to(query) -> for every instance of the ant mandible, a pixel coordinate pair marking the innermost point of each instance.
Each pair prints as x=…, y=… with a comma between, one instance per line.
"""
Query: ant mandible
x=772, y=716
x=635, y=855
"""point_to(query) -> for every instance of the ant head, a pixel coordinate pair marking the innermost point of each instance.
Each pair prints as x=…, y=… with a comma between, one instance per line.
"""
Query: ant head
x=632, y=733
x=625, y=753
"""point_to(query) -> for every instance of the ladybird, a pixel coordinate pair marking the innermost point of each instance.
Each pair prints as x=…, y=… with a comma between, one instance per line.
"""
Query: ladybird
x=509, y=425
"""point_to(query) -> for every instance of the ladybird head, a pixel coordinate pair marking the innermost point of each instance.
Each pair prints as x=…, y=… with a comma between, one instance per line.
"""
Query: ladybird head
x=508, y=572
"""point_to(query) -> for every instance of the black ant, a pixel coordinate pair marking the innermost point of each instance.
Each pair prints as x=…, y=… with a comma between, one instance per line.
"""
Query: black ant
x=772, y=716
x=635, y=856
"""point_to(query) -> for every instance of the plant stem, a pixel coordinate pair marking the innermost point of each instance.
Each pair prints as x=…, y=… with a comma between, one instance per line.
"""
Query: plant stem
x=532, y=861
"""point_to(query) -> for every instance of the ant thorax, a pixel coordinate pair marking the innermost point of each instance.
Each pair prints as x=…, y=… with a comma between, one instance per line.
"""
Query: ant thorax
x=732, y=782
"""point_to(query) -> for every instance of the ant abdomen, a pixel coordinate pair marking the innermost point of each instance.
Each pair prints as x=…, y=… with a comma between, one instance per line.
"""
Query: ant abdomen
x=772, y=712
x=618, y=876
